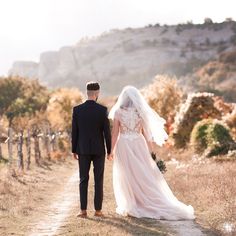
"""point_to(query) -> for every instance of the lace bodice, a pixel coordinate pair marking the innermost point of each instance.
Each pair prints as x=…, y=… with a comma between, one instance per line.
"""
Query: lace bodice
x=130, y=122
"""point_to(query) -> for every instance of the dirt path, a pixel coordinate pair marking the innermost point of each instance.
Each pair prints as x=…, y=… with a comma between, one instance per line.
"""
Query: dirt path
x=60, y=217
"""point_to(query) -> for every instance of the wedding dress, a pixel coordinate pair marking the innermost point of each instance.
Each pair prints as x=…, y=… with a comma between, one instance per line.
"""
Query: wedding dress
x=139, y=187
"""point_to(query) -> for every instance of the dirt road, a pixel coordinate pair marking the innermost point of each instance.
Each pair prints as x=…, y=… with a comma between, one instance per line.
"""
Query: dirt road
x=59, y=218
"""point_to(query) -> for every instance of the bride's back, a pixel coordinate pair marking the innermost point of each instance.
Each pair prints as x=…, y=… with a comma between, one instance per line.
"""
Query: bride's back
x=130, y=120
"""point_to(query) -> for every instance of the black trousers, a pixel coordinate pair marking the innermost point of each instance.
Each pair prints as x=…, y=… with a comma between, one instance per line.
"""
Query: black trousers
x=98, y=170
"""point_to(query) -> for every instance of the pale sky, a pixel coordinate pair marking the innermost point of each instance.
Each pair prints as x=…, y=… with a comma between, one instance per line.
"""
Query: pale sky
x=29, y=27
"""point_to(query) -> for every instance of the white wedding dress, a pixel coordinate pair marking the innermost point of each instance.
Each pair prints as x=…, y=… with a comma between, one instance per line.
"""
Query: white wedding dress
x=139, y=187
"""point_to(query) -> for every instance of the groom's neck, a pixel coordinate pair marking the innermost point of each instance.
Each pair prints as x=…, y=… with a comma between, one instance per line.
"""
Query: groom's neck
x=91, y=99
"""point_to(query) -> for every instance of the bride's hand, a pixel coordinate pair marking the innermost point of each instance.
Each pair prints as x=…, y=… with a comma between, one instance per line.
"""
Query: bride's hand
x=110, y=157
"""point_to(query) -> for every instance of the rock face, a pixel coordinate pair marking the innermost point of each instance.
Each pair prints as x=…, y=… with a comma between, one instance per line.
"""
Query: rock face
x=131, y=56
x=26, y=69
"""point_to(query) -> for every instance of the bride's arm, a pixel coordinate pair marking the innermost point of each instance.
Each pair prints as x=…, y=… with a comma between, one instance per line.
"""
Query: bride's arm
x=150, y=144
x=115, y=133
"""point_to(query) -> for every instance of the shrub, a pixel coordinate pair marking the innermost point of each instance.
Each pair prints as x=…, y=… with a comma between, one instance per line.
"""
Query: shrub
x=197, y=107
x=198, y=136
x=211, y=138
x=228, y=57
x=230, y=120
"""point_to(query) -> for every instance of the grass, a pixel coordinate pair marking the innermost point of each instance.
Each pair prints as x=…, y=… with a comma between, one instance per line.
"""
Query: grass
x=206, y=184
x=25, y=195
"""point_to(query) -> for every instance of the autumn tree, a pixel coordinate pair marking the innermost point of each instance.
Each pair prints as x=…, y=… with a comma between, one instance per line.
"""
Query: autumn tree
x=59, y=110
x=20, y=100
x=164, y=95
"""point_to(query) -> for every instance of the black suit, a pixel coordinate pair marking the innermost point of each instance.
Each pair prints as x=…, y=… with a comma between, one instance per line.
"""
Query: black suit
x=90, y=127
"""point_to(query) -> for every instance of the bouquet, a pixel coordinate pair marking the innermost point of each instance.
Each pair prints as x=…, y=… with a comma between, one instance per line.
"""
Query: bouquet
x=160, y=163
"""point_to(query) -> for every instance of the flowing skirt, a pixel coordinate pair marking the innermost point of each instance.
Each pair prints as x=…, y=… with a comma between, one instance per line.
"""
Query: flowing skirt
x=139, y=187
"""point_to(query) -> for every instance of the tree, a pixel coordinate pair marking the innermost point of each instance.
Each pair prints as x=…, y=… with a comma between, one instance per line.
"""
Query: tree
x=10, y=90
x=20, y=99
x=59, y=110
x=208, y=20
x=229, y=19
x=164, y=95
x=33, y=97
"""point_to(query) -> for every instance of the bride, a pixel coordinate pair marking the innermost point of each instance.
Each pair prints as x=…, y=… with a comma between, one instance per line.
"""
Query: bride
x=139, y=187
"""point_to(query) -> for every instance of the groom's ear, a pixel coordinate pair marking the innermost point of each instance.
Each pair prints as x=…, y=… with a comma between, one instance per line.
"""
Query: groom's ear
x=97, y=94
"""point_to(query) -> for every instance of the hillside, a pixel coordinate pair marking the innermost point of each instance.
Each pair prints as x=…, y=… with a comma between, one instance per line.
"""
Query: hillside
x=132, y=56
x=218, y=76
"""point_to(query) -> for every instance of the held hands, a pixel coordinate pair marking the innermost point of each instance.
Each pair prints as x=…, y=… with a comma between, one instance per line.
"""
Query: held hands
x=110, y=157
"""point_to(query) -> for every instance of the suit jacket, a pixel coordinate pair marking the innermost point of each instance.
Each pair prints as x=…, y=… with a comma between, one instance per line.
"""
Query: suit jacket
x=90, y=127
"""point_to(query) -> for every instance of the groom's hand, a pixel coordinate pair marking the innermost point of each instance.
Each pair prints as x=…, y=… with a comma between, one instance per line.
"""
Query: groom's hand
x=76, y=157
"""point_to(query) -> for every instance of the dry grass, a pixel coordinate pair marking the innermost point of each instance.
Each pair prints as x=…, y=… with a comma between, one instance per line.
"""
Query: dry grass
x=208, y=185
x=26, y=195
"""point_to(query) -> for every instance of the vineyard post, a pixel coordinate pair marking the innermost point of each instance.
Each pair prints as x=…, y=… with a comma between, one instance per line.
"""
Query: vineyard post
x=1, y=156
x=53, y=140
x=19, y=150
x=10, y=157
x=47, y=144
x=36, y=147
x=28, y=148
x=38, y=143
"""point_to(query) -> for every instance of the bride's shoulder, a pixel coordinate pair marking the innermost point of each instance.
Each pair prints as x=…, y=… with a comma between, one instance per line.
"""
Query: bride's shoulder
x=119, y=113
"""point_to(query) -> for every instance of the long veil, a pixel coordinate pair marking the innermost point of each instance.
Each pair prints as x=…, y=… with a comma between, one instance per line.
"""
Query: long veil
x=153, y=124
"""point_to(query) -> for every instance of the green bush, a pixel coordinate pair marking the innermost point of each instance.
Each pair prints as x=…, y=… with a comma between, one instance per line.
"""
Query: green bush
x=199, y=135
x=211, y=138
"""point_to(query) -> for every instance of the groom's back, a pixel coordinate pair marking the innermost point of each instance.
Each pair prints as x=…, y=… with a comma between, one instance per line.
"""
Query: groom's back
x=90, y=118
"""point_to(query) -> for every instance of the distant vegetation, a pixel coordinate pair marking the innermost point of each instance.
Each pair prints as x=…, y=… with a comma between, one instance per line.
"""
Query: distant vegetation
x=217, y=76
x=32, y=112
x=202, y=121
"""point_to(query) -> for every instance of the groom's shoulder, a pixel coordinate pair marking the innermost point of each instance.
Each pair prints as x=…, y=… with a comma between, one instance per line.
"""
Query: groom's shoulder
x=102, y=107
x=77, y=107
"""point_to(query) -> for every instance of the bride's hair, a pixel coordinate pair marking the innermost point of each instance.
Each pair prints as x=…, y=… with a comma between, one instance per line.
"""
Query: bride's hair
x=153, y=124
x=126, y=101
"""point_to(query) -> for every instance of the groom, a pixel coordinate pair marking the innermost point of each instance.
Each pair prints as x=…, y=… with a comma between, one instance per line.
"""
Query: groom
x=90, y=127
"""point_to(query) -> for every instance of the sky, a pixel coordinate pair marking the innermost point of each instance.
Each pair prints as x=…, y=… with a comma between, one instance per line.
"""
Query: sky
x=30, y=27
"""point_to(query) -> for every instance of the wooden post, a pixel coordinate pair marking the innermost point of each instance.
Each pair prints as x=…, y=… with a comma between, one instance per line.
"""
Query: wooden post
x=28, y=148
x=47, y=144
x=36, y=148
x=1, y=156
x=53, y=138
x=19, y=151
x=39, y=150
x=10, y=157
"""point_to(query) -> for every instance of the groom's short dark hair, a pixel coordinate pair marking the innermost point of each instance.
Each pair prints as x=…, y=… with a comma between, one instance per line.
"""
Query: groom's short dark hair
x=92, y=86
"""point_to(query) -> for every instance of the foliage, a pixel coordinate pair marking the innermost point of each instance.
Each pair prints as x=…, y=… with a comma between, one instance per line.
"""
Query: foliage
x=21, y=98
x=199, y=135
x=197, y=107
x=211, y=138
x=10, y=90
x=63, y=144
x=230, y=120
x=219, y=76
x=208, y=20
x=164, y=96
x=229, y=57
x=60, y=106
